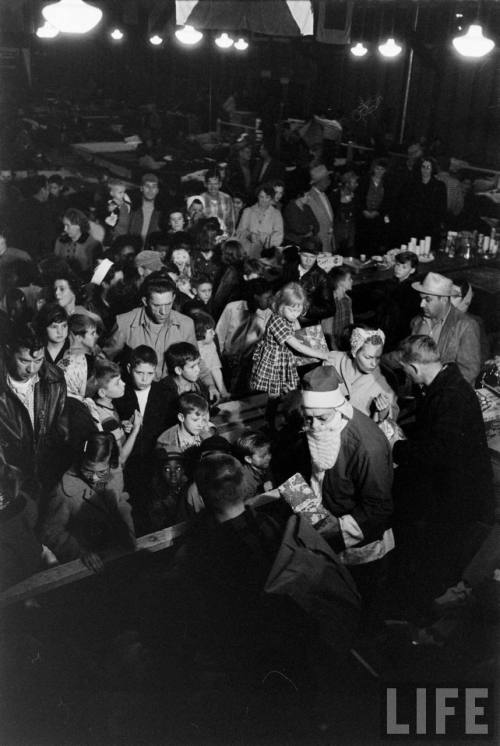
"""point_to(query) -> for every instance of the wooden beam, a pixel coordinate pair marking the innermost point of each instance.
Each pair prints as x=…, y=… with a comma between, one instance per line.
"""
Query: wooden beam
x=70, y=572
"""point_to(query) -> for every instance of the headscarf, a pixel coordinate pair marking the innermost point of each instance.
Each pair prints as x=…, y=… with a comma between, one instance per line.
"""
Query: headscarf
x=360, y=336
x=462, y=304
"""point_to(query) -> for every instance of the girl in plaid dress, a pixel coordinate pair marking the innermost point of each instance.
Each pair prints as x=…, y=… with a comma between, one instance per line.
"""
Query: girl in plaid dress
x=274, y=369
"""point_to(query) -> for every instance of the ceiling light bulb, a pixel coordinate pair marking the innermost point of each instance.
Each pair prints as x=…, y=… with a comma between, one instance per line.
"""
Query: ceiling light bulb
x=224, y=41
x=241, y=45
x=389, y=48
x=359, y=50
x=473, y=43
x=72, y=16
x=188, y=35
x=116, y=34
x=155, y=40
x=47, y=31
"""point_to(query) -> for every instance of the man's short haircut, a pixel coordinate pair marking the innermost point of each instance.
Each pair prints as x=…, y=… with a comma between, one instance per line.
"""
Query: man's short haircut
x=191, y=402
x=178, y=354
x=24, y=337
x=105, y=371
x=157, y=282
x=338, y=275
x=80, y=323
x=212, y=174
x=198, y=280
x=143, y=354
x=219, y=477
x=202, y=323
x=407, y=256
x=117, y=182
x=250, y=441
x=419, y=348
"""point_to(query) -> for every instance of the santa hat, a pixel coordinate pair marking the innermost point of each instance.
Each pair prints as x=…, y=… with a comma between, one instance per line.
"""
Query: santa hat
x=321, y=388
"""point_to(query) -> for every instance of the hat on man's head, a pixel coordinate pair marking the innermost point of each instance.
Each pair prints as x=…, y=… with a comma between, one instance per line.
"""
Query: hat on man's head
x=318, y=172
x=434, y=284
x=149, y=260
x=149, y=177
x=321, y=388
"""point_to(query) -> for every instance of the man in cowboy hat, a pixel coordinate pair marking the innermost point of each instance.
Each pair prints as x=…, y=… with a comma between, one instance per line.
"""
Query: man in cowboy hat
x=321, y=206
x=456, y=334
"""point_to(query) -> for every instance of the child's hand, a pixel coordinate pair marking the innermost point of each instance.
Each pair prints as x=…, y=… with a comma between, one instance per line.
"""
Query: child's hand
x=127, y=426
x=136, y=421
x=213, y=395
x=92, y=561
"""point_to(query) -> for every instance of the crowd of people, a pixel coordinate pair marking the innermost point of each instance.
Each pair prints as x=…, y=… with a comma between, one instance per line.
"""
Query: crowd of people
x=129, y=318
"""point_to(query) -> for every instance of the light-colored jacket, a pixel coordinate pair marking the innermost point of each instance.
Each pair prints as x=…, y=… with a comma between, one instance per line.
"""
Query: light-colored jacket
x=459, y=342
x=135, y=328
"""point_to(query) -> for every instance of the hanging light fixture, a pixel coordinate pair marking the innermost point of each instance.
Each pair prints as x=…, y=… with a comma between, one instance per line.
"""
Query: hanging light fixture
x=389, y=48
x=155, y=40
x=47, y=31
x=359, y=50
x=116, y=34
x=224, y=41
x=241, y=44
x=188, y=35
x=72, y=16
x=473, y=43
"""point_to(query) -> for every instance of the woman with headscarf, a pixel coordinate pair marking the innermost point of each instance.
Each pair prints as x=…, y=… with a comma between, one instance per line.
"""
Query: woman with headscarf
x=362, y=382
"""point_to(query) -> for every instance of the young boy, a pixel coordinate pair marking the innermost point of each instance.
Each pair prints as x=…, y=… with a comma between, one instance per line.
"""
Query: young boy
x=183, y=365
x=166, y=504
x=205, y=261
x=118, y=209
x=192, y=427
x=395, y=301
x=341, y=284
x=143, y=394
x=109, y=387
x=254, y=451
x=204, y=328
x=202, y=287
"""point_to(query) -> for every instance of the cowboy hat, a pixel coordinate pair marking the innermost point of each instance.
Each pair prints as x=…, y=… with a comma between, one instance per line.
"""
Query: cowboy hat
x=434, y=284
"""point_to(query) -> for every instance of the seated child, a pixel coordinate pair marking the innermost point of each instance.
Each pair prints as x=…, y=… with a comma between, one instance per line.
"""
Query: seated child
x=109, y=387
x=204, y=327
x=88, y=511
x=254, y=451
x=166, y=505
x=192, y=427
x=202, y=287
x=334, y=328
x=183, y=365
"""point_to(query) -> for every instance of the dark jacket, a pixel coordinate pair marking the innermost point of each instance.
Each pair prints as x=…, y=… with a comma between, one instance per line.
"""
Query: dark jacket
x=170, y=398
x=444, y=471
x=33, y=451
x=396, y=304
x=157, y=416
x=299, y=222
x=360, y=483
x=317, y=289
x=136, y=219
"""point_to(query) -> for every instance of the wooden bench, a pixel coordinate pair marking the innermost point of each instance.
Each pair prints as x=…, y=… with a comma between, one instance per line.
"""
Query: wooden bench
x=70, y=572
x=242, y=414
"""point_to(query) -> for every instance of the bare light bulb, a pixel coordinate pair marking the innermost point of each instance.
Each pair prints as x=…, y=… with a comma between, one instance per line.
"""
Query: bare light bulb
x=359, y=50
x=224, y=41
x=473, y=43
x=389, y=48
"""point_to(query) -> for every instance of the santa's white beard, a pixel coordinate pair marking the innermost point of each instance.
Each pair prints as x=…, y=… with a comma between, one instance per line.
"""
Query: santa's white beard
x=324, y=447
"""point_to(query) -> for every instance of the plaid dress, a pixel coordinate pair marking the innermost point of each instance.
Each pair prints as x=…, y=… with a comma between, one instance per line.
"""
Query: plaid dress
x=273, y=364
